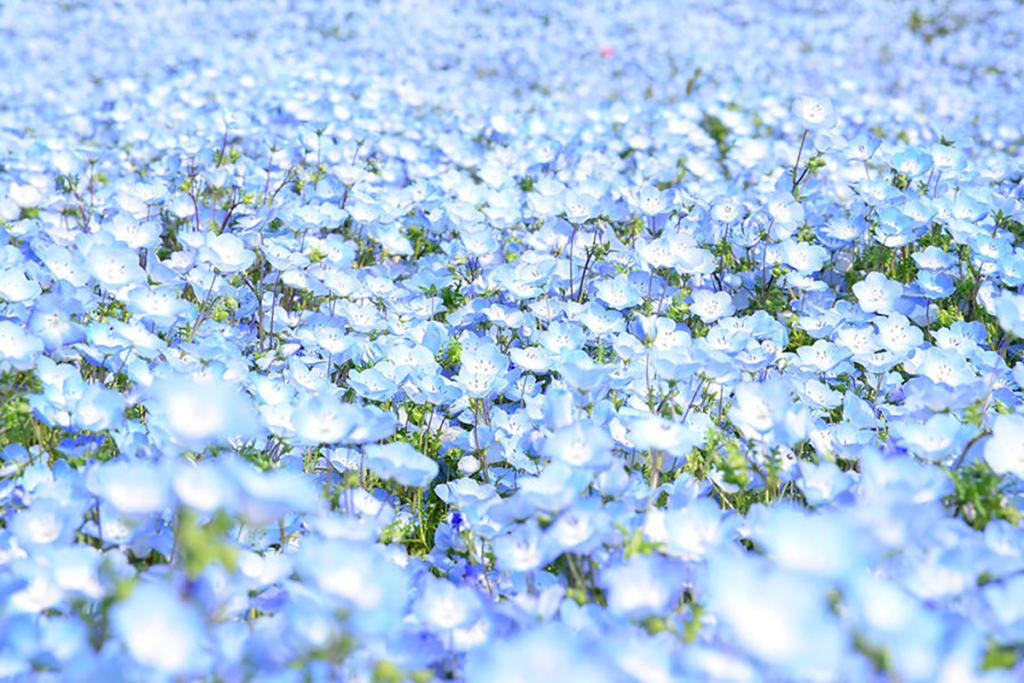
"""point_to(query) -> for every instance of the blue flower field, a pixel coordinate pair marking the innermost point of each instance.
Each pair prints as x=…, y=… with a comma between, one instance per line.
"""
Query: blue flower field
x=496, y=342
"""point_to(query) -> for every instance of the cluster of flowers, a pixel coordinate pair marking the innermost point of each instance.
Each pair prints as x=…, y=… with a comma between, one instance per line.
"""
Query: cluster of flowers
x=511, y=341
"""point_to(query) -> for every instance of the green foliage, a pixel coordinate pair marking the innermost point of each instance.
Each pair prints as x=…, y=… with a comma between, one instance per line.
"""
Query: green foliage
x=634, y=543
x=201, y=543
x=981, y=496
x=16, y=422
x=449, y=357
x=719, y=133
x=1001, y=656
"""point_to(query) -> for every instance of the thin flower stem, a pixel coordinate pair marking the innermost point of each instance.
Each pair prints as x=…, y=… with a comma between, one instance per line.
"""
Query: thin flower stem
x=800, y=152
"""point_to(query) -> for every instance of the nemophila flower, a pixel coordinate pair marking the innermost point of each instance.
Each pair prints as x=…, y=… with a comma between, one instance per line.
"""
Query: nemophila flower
x=466, y=493
x=787, y=215
x=531, y=358
x=560, y=337
x=919, y=210
x=965, y=336
x=17, y=287
x=161, y=631
x=582, y=444
x=881, y=361
x=442, y=606
x=656, y=253
x=857, y=339
x=18, y=348
x=112, y=265
x=727, y=210
x=948, y=159
x=888, y=613
x=581, y=528
x=618, y=293
x=51, y=321
x=640, y=586
x=877, y=294
x=820, y=395
x=689, y=258
x=692, y=531
x=25, y=195
x=863, y=147
x=648, y=327
x=62, y=640
x=822, y=483
x=132, y=487
x=935, y=285
x=63, y=264
x=804, y=257
x=549, y=652
x=557, y=408
x=579, y=207
x=582, y=373
x=822, y=356
x=401, y=462
x=46, y=522
x=483, y=358
x=944, y=366
x=360, y=578
x=372, y=384
x=29, y=588
x=876, y=192
x=1004, y=450
x=894, y=478
x=196, y=414
x=523, y=549
x=827, y=545
x=480, y=385
x=657, y=433
x=266, y=497
x=133, y=232
x=98, y=409
x=711, y=306
x=936, y=439
x=759, y=407
x=814, y=112
x=779, y=617
x=204, y=486
x=897, y=334
x=912, y=162
x=160, y=305
x=896, y=229
x=322, y=418
x=650, y=200
x=844, y=229
x=1009, y=309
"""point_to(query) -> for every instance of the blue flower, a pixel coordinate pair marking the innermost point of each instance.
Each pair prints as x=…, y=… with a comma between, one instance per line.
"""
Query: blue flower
x=779, y=617
x=814, y=112
x=877, y=293
x=581, y=444
x=912, y=162
x=1004, y=451
x=443, y=606
x=522, y=550
x=160, y=631
x=401, y=462
x=642, y=585
x=711, y=306
x=18, y=349
x=132, y=487
x=550, y=652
